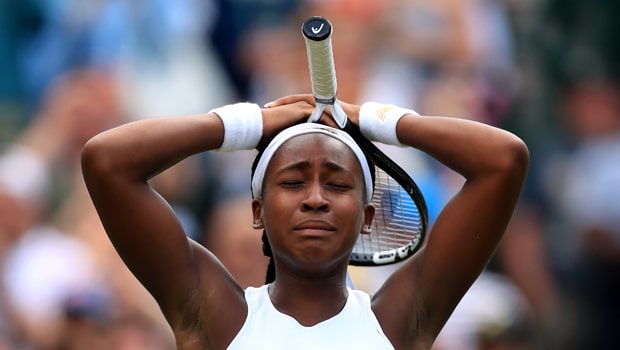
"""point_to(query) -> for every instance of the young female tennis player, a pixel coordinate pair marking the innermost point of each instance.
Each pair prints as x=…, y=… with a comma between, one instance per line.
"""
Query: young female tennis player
x=311, y=197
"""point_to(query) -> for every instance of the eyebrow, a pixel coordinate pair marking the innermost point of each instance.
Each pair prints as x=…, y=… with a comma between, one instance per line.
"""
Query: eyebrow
x=306, y=164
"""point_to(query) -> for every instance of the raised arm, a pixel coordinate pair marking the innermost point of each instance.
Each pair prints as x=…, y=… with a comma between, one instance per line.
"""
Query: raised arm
x=117, y=164
x=465, y=235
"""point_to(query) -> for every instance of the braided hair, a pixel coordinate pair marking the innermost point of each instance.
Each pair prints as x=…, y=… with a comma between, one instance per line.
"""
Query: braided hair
x=271, y=269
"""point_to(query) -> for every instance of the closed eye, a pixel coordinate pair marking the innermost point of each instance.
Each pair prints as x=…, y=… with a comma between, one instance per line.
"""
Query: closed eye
x=339, y=186
x=291, y=183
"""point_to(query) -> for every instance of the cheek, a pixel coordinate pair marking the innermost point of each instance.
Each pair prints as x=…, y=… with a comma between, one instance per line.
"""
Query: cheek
x=352, y=210
x=276, y=206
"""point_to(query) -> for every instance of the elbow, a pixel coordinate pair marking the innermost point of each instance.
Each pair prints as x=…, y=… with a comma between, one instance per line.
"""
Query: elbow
x=96, y=159
x=515, y=158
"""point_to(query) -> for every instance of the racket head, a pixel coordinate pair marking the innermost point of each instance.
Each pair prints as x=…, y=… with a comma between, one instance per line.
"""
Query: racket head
x=401, y=214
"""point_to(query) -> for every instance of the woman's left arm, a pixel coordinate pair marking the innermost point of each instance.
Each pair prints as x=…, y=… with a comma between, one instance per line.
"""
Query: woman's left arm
x=466, y=233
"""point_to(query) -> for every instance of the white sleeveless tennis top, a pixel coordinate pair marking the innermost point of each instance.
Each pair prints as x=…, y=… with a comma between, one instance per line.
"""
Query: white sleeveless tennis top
x=355, y=327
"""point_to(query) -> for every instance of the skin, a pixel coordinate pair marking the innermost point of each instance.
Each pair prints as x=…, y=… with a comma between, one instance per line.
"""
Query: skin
x=313, y=209
x=312, y=223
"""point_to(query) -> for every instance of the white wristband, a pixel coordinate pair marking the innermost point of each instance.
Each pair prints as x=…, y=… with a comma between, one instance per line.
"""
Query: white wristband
x=378, y=122
x=243, y=126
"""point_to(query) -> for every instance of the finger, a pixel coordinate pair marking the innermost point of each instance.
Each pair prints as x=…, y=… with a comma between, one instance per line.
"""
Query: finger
x=288, y=100
x=291, y=99
x=327, y=119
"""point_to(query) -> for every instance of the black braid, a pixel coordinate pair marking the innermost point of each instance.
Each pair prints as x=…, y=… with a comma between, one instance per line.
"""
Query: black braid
x=271, y=268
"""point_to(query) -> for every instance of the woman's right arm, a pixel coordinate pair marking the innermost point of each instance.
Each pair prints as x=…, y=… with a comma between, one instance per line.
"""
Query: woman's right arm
x=117, y=165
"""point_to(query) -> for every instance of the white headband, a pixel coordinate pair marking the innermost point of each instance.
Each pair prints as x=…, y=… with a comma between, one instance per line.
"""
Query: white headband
x=307, y=128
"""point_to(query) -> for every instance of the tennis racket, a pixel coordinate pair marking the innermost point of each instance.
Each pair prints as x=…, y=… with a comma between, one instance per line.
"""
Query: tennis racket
x=401, y=216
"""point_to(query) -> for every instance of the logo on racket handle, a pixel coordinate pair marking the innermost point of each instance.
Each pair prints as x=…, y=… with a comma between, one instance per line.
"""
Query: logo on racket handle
x=317, y=28
x=316, y=31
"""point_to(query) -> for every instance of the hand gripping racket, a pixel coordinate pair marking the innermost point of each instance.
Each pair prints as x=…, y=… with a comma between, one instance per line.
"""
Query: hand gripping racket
x=401, y=216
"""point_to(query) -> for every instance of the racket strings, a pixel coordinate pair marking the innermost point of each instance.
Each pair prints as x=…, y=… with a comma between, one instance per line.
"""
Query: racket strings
x=322, y=69
x=397, y=222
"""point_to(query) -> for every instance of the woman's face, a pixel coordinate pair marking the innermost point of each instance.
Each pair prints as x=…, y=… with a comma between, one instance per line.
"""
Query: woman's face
x=313, y=204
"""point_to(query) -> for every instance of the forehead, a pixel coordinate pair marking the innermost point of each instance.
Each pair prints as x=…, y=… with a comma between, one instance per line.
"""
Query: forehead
x=313, y=146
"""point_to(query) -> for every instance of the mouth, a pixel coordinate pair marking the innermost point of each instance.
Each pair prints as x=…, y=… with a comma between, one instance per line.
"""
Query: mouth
x=314, y=227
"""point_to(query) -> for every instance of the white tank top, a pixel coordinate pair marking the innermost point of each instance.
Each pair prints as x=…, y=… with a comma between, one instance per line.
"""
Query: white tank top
x=355, y=327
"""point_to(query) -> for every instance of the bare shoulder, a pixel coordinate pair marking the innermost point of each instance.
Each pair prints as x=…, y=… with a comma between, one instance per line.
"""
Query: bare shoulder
x=216, y=309
x=401, y=311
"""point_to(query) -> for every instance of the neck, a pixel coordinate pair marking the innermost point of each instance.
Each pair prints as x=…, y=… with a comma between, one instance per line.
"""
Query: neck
x=309, y=301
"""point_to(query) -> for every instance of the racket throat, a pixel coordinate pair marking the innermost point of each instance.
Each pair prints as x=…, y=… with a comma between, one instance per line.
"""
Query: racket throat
x=338, y=113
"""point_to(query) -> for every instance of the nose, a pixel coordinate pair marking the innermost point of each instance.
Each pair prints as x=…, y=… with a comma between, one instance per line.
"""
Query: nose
x=315, y=199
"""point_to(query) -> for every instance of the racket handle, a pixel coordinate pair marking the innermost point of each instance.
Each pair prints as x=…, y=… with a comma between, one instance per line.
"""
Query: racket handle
x=317, y=33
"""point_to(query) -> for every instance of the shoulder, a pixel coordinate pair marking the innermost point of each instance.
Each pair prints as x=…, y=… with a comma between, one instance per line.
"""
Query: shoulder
x=215, y=311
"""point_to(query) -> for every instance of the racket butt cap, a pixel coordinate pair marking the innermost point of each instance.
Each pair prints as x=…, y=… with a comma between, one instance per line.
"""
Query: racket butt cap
x=317, y=28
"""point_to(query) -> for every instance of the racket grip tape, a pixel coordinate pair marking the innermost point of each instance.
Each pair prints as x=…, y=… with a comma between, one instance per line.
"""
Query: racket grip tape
x=317, y=32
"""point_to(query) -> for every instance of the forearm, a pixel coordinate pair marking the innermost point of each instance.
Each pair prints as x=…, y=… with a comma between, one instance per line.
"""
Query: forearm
x=470, y=148
x=142, y=149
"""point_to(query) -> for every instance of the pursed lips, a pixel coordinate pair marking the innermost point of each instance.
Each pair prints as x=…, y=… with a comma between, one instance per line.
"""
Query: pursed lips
x=314, y=225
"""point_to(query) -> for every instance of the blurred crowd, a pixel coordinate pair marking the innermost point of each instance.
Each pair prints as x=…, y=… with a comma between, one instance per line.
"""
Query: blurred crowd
x=547, y=70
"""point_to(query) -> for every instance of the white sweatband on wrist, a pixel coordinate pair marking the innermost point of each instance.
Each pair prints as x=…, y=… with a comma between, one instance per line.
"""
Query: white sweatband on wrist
x=378, y=122
x=243, y=126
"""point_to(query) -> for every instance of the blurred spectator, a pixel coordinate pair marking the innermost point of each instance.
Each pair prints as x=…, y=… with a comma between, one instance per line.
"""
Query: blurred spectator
x=18, y=21
x=232, y=33
x=63, y=252
x=158, y=45
x=422, y=41
x=493, y=315
x=190, y=190
x=165, y=65
x=28, y=169
x=43, y=268
x=232, y=239
x=416, y=40
x=90, y=324
x=574, y=186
